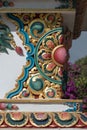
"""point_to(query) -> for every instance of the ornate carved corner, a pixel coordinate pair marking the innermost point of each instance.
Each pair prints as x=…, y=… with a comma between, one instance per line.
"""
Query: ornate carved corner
x=43, y=79
x=47, y=42
x=43, y=120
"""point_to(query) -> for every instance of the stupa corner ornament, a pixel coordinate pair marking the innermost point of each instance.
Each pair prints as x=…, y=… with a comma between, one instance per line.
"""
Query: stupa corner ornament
x=47, y=43
x=46, y=36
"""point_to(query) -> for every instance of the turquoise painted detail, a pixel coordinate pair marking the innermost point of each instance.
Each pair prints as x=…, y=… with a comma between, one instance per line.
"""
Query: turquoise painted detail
x=1, y=117
x=28, y=57
x=36, y=28
x=36, y=83
x=16, y=122
x=74, y=106
x=65, y=122
x=36, y=56
x=40, y=122
x=83, y=117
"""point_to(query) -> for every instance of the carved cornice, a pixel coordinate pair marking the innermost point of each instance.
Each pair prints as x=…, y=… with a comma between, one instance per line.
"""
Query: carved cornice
x=43, y=120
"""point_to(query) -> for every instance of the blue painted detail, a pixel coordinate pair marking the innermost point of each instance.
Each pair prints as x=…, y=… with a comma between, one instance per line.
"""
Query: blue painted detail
x=36, y=28
x=20, y=82
x=83, y=117
x=74, y=106
x=36, y=83
x=16, y=19
x=42, y=122
x=21, y=30
x=13, y=122
x=32, y=50
x=29, y=57
x=36, y=56
x=1, y=117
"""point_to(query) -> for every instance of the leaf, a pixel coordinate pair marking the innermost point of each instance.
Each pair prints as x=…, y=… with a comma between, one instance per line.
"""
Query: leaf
x=9, y=46
x=5, y=28
x=3, y=50
x=6, y=37
x=6, y=44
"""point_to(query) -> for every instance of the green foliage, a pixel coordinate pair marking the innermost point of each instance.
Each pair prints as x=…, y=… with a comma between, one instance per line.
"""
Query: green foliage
x=81, y=84
x=81, y=81
x=5, y=39
x=83, y=65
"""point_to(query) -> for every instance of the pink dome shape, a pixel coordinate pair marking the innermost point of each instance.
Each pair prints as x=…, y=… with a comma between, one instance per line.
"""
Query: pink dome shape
x=59, y=55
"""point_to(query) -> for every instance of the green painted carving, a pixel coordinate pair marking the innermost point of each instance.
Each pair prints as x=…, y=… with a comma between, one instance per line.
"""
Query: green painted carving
x=5, y=38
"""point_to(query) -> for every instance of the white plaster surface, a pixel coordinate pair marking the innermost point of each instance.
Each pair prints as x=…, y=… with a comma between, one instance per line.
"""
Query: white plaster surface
x=40, y=107
x=36, y=4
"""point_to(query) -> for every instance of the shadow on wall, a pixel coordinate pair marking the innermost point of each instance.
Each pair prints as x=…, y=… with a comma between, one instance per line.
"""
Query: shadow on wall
x=79, y=48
